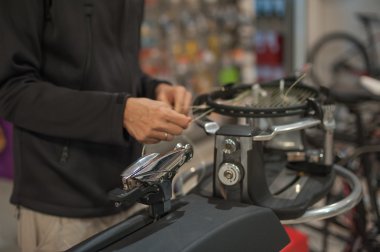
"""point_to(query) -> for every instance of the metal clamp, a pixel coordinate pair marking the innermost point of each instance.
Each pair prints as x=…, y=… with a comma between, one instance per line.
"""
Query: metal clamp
x=302, y=124
x=338, y=207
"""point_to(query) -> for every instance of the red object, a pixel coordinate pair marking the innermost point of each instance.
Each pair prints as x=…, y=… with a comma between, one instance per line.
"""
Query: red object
x=298, y=241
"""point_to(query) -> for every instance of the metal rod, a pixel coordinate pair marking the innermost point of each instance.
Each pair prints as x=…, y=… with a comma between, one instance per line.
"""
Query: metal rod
x=336, y=208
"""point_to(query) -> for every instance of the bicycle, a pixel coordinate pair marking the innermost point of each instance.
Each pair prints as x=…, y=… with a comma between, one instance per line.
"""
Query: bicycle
x=357, y=148
x=339, y=59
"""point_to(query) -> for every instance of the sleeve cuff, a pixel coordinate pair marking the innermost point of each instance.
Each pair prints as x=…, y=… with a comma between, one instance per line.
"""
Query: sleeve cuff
x=149, y=86
x=118, y=132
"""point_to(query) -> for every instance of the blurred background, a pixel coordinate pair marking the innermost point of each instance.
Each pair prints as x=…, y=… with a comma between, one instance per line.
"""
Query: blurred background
x=205, y=44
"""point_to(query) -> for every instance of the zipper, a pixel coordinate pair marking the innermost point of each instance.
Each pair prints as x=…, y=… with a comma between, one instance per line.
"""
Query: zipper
x=47, y=9
x=64, y=153
x=88, y=6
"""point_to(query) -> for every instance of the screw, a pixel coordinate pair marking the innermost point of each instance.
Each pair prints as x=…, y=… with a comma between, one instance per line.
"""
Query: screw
x=228, y=174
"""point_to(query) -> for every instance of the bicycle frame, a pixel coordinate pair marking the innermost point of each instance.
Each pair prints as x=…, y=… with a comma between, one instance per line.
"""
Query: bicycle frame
x=368, y=22
x=340, y=58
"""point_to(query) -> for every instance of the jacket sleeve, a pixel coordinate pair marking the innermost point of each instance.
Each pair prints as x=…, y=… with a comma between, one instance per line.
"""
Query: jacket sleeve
x=149, y=84
x=30, y=102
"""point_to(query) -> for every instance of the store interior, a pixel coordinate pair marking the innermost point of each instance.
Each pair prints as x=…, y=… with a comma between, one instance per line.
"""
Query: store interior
x=237, y=57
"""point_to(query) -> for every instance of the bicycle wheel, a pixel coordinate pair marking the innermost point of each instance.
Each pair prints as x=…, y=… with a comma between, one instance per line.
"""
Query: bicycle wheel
x=337, y=61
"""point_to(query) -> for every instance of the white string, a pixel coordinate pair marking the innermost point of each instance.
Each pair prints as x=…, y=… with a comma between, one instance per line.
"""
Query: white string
x=203, y=114
x=295, y=83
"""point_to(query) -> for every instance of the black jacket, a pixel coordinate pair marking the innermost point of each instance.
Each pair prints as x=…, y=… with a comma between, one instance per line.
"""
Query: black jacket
x=66, y=68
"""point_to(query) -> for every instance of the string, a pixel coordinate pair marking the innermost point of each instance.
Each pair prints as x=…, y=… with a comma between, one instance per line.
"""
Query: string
x=243, y=95
x=199, y=107
x=278, y=99
x=203, y=114
x=295, y=83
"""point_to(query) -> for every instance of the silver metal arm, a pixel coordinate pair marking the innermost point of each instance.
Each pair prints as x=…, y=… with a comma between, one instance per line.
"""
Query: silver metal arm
x=302, y=124
x=336, y=208
x=209, y=127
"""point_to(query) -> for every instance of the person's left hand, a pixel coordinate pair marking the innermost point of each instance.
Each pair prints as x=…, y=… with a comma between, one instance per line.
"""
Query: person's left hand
x=176, y=96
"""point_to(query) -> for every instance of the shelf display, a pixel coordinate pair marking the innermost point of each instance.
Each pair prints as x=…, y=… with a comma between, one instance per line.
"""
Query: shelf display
x=208, y=43
x=271, y=35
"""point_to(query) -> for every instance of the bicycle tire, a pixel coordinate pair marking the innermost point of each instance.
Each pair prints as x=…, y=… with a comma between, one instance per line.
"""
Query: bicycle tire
x=337, y=61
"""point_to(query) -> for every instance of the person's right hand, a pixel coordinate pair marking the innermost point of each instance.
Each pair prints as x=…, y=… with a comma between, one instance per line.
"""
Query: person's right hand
x=150, y=121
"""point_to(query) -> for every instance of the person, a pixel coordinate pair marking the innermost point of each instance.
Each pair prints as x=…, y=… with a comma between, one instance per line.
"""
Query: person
x=71, y=84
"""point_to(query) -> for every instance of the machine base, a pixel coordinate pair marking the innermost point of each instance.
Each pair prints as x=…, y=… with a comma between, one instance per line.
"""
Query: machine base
x=198, y=223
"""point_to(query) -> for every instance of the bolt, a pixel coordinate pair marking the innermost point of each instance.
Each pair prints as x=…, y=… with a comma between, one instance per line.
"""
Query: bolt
x=228, y=175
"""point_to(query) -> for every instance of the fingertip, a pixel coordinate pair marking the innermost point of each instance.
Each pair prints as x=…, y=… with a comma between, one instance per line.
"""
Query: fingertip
x=188, y=122
x=187, y=119
x=170, y=138
x=184, y=111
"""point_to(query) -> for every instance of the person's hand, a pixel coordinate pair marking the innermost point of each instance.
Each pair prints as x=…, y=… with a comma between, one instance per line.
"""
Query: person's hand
x=150, y=121
x=176, y=96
